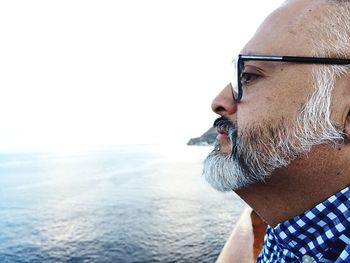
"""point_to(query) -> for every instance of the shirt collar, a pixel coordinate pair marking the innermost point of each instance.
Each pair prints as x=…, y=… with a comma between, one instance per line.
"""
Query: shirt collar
x=317, y=230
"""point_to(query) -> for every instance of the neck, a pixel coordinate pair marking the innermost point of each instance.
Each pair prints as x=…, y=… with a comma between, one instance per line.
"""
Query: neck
x=302, y=185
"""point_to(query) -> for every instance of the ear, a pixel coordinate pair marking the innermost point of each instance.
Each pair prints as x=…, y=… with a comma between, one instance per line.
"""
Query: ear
x=347, y=127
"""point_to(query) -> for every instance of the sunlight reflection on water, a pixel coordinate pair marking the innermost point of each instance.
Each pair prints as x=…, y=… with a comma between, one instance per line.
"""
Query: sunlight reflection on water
x=124, y=204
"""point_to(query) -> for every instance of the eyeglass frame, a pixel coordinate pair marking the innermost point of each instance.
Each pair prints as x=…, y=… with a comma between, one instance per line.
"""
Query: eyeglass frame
x=241, y=58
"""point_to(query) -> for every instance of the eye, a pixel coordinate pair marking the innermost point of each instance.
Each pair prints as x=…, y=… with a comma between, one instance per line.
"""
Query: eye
x=248, y=78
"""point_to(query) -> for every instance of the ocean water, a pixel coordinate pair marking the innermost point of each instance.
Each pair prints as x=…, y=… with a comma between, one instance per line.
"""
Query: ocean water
x=118, y=204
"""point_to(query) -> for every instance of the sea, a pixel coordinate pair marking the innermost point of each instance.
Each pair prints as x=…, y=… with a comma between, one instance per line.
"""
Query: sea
x=130, y=203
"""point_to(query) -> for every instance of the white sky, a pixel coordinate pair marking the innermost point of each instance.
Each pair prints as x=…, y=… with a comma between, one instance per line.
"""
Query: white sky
x=84, y=73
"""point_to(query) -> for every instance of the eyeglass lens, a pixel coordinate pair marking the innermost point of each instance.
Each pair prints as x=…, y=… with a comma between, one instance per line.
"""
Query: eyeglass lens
x=234, y=81
x=236, y=84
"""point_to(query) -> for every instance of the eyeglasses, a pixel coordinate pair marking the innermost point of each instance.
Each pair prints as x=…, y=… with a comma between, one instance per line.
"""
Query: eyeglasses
x=239, y=66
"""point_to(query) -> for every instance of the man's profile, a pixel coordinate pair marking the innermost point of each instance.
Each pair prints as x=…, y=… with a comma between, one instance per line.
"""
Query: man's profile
x=284, y=129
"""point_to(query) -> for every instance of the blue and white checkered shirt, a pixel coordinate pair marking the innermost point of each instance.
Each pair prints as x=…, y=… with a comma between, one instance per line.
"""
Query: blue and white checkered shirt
x=321, y=234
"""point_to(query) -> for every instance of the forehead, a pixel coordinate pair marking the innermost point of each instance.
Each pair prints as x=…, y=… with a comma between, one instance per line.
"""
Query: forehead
x=287, y=30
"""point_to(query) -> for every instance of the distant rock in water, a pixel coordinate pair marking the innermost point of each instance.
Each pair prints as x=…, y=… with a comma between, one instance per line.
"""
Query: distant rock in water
x=208, y=138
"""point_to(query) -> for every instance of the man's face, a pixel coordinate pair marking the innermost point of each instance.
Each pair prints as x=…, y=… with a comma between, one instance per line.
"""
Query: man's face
x=261, y=133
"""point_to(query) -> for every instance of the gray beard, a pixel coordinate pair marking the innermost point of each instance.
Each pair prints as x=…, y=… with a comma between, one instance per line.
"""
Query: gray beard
x=223, y=172
x=257, y=152
x=254, y=155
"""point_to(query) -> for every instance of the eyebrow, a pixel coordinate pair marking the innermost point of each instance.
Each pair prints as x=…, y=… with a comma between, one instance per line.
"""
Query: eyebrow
x=264, y=65
x=263, y=62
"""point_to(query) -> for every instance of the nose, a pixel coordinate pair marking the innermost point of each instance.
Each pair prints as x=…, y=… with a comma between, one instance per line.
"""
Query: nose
x=224, y=103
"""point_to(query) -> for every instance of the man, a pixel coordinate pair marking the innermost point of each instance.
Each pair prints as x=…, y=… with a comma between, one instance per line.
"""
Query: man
x=284, y=130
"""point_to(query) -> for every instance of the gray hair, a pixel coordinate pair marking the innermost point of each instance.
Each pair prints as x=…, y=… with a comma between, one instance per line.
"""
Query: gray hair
x=334, y=28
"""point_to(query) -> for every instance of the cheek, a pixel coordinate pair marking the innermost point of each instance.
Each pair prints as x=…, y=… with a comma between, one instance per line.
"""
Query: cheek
x=275, y=100
x=268, y=110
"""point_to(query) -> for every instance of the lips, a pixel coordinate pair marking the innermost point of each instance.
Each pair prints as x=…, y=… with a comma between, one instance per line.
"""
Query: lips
x=222, y=131
x=223, y=126
x=222, y=134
